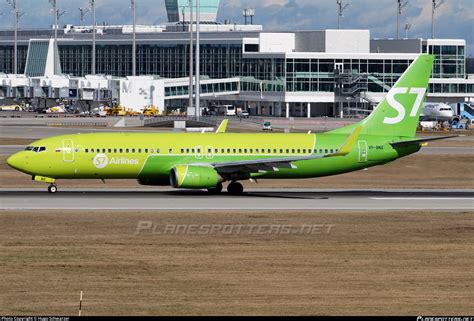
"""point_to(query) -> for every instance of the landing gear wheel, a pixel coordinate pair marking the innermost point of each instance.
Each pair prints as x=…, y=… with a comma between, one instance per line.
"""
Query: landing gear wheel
x=235, y=188
x=216, y=190
x=52, y=189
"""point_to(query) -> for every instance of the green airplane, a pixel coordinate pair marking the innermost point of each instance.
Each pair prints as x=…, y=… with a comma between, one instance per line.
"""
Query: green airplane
x=206, y=160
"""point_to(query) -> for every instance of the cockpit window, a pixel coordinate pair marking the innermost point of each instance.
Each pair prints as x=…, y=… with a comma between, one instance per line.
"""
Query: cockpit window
x=36, y=149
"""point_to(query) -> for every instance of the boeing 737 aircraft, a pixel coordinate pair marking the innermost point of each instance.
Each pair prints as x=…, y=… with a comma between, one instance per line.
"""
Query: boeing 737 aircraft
x=206, y=160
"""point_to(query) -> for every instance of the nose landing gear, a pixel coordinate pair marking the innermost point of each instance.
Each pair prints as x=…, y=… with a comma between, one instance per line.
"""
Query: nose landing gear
x=52, y=188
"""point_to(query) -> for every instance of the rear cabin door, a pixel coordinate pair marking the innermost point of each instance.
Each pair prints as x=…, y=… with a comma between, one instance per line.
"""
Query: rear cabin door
x=68, y=150
x=363, y=151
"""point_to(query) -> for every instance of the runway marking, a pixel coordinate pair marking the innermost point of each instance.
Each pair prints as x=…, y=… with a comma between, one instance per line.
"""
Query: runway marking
x=425, y=198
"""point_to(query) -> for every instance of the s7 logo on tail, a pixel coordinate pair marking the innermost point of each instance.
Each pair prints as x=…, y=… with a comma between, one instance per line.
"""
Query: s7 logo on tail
x=395, y=104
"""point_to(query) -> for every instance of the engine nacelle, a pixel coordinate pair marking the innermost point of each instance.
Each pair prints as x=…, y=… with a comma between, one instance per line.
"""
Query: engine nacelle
x=194, y=177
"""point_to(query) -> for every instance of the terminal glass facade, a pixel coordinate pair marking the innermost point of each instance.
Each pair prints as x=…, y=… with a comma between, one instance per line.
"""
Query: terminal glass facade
x=449, y=60
x=7, y=58
x=257, y=74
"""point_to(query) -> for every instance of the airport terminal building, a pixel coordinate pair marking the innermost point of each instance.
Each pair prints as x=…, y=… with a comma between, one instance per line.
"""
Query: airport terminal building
x=287, y=74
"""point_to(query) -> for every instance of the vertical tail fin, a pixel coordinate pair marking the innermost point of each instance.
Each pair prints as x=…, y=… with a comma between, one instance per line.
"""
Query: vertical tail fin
x=398, y=114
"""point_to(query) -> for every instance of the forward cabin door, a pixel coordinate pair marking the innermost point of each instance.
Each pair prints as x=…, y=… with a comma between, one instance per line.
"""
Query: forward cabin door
x=68, y=150
x=363, y=151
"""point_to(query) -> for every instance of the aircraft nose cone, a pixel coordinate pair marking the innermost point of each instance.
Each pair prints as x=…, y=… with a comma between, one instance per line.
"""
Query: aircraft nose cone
x=14, y=161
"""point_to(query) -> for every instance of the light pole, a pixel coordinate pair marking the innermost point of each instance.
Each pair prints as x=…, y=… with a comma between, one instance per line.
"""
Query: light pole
x=134, y=47
x=407, y=27
x=435, y=6
x=191, y=55
x=17, y=15
x=57, y=14
x=198, y=62
x=340, y=11
x=248, y=12
x=83, y=12
x=92, y=5
x=400, y=6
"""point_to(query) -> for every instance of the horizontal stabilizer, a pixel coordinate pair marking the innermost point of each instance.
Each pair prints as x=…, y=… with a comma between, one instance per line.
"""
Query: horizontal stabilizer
x=419, y=141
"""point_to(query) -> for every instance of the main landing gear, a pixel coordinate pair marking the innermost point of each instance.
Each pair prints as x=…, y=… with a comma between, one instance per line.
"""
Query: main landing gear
x=235, y=188
x=52, y=188
x=216, y=190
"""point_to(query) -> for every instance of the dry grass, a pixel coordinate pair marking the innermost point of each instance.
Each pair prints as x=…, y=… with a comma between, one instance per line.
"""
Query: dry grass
x=416, y=171
x=370, y=264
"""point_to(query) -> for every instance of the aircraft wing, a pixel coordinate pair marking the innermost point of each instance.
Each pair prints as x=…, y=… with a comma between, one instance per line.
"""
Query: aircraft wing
x=274, y=164
x=403, y=143
x=259, y=165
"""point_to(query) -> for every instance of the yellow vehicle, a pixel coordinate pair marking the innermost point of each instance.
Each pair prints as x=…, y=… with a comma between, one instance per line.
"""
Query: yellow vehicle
x=11, y=108
x=150, y=111
x=116, y=111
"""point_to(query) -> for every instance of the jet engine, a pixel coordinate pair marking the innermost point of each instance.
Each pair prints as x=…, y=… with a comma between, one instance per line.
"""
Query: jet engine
x=194, y=177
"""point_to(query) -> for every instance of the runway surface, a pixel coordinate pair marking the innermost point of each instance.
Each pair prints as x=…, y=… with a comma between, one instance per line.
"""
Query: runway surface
x=304, y=199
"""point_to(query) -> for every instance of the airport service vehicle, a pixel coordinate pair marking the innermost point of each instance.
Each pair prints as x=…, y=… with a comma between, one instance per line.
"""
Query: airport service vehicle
x=267, y=126
x=436, y=112
x=230, y=110
x=244, y=114
x=56, y=110
x=11, y=108
x=461, y=123
x=463, y=109
x=206, y=160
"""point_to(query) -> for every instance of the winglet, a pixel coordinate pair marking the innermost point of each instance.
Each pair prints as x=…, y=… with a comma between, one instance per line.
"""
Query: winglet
x=349, y=144
x=222, y=127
